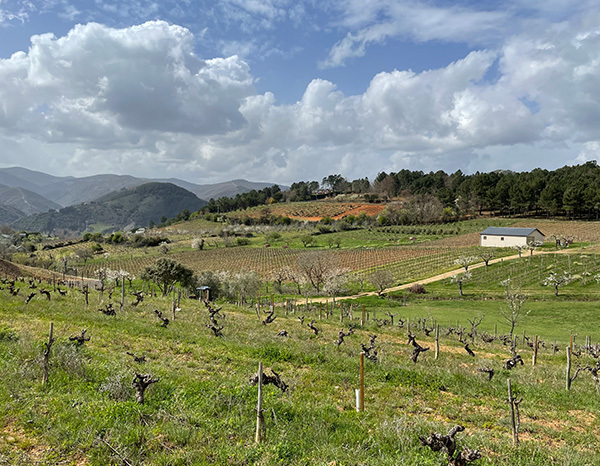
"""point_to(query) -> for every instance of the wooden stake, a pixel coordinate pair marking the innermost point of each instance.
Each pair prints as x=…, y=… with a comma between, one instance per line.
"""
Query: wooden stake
x=362, y=317
x=513, y=418
x=174, y=304
x=122, y=293
x=437, y=341
x=535, y=349
x=260, y=420
x=361, y=404
x=47, y=348
x=569, y=380
x=572, y=342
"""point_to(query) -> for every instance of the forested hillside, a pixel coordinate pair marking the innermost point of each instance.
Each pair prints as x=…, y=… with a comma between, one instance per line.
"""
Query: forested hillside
x=127, y=207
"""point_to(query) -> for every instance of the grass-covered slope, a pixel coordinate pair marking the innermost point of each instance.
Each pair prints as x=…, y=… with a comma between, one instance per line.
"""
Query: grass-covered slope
x=203, y=410
x=127, y=207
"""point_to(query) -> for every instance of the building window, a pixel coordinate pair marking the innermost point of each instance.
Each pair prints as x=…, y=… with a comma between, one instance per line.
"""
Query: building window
x=485, y=237
x=502, y=238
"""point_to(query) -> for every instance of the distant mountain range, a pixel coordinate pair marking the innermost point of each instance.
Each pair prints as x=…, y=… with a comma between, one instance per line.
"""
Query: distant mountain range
x=69, y=190
x=26, y=192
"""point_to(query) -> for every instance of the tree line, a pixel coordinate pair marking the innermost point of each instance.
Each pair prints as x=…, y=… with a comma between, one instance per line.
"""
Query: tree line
x=570, y=191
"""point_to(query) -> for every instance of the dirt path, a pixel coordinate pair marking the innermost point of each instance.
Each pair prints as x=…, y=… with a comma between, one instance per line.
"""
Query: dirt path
x=435, y=278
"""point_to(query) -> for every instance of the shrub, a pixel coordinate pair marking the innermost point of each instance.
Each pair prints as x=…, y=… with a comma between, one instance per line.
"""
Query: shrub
x=417, y=288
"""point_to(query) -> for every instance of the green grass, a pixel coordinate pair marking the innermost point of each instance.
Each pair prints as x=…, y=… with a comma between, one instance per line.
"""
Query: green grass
x=202, y=411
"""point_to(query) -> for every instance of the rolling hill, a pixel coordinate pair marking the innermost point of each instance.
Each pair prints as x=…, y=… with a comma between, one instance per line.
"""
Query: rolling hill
x=126, y=208
x=25, y=201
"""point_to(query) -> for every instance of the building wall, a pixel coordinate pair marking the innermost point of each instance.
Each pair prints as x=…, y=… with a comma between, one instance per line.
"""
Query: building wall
x=537, y=236
x=508, y=241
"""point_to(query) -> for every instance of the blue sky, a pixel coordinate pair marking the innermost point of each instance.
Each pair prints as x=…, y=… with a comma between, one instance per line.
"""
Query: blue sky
x=281, y=90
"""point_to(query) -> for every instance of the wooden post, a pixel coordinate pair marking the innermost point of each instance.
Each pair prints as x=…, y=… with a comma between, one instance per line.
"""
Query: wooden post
x=351, y=314
x=122, y=293
x=47, y=348
x=341, y=315
x=569, y=368
x=173, y=304
x=495, y=330
x=437, y=341
x=513, y=419
x=362, y=317
x=260, y=420
x=361, y=404
x=258, y=307
x=320, y=310
x=572, y=342
x=535, y=349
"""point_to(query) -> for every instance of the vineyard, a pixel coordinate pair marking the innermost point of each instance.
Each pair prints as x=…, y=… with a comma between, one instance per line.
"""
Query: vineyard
x=529, y=273
x=406, y=263
x=314, y=211
x=201, y=405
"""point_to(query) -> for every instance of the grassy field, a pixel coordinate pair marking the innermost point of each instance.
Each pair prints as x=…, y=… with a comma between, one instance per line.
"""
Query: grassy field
x=202, y=410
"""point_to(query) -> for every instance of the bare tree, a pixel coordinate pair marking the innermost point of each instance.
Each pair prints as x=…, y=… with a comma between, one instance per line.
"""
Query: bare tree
x=314, y=268
x=278, y=276
x=459, y=280
x=514, y=301
x=360, y=279
x=486, y=255
x=381, y=279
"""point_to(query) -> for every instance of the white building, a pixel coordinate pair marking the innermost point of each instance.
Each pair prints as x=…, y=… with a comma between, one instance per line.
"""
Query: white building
x=507, y=237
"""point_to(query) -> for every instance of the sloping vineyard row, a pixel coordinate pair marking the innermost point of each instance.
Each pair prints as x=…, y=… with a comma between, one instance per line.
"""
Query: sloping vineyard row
x=416, y=268
x=530, y=271
x=265, y=260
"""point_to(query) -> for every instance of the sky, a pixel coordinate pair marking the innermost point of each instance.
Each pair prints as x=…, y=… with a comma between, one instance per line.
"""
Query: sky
x=289, y=90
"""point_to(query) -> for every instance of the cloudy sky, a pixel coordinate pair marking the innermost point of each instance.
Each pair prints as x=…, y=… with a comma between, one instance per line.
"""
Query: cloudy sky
x=288, y=90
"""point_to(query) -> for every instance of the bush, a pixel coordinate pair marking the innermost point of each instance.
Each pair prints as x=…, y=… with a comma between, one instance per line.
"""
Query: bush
x=417, y=288
x=242, y=241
